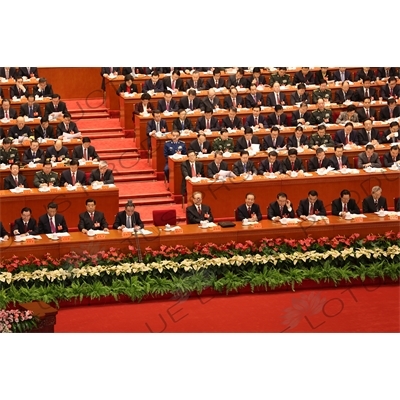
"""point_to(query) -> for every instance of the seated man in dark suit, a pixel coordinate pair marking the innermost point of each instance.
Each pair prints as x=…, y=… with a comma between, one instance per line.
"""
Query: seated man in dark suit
x=301, y=116
x=8, y=72
x=238, y=79
x=6, y=111
x=278, y=118
x=311, y=206
x=392, y=110
x=198, y=211
x=92, y=219
x=276, y=97
x=342, y=75
x=249, y=210
x=257, y=79
x=384, y=73
x=254, y=98
x=167, y=103
x=195, y=82
x=346, y=135
x=398, y=205
x=174, y=81
x=15, y=179
x=233, y=100
x=29, y=72
x=20, y=130
x=66, y=127
x=300, y=95
x=344, y=93
x=128, y=86
x=244, y=166
x=273, y=140
x=19, y=90
x=368, y=134
x=281, y=208
x=344, y=204
x=270, y=165
x=232, y=121
x=245, y=142
x=366, y=112
x=57, y=153
x=182, y=124
x=55, y=106
x=30, y=109
x=73, y=176
x=44, y=130
x=291, y=163
x=366, y=91
x=392, y=134
x=363, y=73
x=154, y=83
x=85, y=151
x=211, y=101
x=25, y=225
x=375, y=202
x=129, y=218
x=339, y=160
x=3, y=233
x=207, y=122
x=303, y=76
x=102, y=174
x=51, y=222
x=392, y=89
x=256, y=120
x=43, y=89
x=217, y=165
x=391, y=157
x=369, y=158
x=319, y=161
x=201, y=144
x=190, y=169
x=191, y=102
x=298, y=139
x=216, y=81
x=33, y=154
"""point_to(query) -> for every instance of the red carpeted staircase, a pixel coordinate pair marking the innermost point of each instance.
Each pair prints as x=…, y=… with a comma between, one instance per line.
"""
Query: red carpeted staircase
x=135, y=177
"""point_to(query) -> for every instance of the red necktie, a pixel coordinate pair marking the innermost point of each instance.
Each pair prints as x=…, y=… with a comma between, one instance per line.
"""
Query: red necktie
x=255, y=121
x=16, y=181
x=92, y=216
x=191, y=104
x=199, y=209
x=73, y=179
x=207, y=124
x=234, y=102
x=340, y=163
x=278, y=120
x=292, y=165
x=168, y=106
x=311, y=209
x=102, y=177
x=346, y=141
x=281, y=210
x=86, y=154
x=249, y=211
x=277, y=99
x=26, y=227
x=193, y=171
x=249, y=143
x=270, y=167
x=345, y=207
x=52, y=226
x=391, y=113
x=369, y=159
x=173, y=85
x=6, y=112
x=216, y=84
x=391, y=92
x=320, y=163
x=367, y=112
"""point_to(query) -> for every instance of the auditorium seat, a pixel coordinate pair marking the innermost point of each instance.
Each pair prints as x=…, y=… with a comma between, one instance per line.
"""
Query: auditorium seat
x=236, y=213
x=355, y=162
x=164, y=216
x=396, y=199
x=87, y=176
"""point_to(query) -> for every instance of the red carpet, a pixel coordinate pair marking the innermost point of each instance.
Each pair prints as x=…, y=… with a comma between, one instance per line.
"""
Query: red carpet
x=359, y=309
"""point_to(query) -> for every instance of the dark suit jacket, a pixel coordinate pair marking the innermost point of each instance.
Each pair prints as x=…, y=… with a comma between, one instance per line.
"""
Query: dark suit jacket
x=398, y=206
x=200, y=84
x=238, y=168
x=300, y=78
x=211, y=83
x=208, y=104
x=362, y=75
x=194, y=145
x=228, y=102
x=184, y=103
x=187, y=171
x=232, y=81
x=107, y=70
x=271, y=99
x=78, y=152
x=264, y=166
x=275, y=211
x=13, y=72
x=363, y=137
x=85, y=222
x=44, y=224
x=24, y=110
x=250, y=102
x=139, y=109
x=128, y=71
x=201, y=124
x=158, y=87
x=341, y=97
x=337, y=77
x=15, y=132
x=388, y=160
x=368, y=204
x=9, y=182
x=359, y=94
x=303, y=209
x=124, y=88
x=179, y=84
x=23, y=71
x=385, y=92
x=236, y=124
x=120, y=220
x=49, y=109
x=47, y=92
x=340, y=137
x=272, y=120
x=62, y=129
x=66, y=177
x=292, y=141
x=51, y=151
x=295, y=98
x=363, y=159
x=177, y=124
x=313, y=164
x=193, y=216
x=11, y=112
x=28, y=157
x=335, y=164
x=267, y=142
x=382, y=73
x=3, y=231
x=32, y=227
x=337, y=208
x=250, y=121
x=15, y=92
x=95, y=176
x=241, y=143
x=296, y=116
x=362, y=116
x=162, y=105
x=38, y=132
x=212, y=168
x=384, y=114
x=286, y=165
x=318, y=78
x=242, y=212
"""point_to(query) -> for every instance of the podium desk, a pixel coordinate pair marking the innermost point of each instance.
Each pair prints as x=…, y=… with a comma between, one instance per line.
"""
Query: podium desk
x=225, y=197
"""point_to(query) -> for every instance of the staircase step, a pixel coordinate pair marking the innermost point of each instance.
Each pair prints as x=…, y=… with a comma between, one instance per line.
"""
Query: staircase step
x=84, y=114
x=101, y=134
x=147, y=201
x=133, y=177
x=125, y=155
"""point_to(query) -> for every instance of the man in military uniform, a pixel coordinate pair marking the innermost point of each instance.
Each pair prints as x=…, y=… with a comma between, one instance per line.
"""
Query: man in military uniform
x=8, y=154
x=46, y=177
x=321, y=114
x=224, y=142
x=322, y=93
x=171, y=147
x=321, y=138
x=281, y=76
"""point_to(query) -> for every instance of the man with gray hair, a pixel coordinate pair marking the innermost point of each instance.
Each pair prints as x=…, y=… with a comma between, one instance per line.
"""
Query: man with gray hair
x=102, y=174
x=375, y=202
